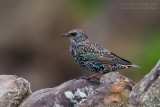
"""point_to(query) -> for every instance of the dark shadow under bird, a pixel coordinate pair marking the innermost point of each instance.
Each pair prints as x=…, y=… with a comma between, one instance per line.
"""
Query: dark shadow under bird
x=92, y=56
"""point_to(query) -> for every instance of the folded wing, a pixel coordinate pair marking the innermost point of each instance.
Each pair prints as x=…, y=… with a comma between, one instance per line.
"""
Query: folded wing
x=94, y=52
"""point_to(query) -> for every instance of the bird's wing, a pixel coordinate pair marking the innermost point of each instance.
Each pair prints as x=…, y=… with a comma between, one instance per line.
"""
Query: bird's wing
x=95, y=52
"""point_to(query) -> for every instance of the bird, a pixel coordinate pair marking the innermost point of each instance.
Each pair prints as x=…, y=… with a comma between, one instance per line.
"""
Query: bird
x=92, y=56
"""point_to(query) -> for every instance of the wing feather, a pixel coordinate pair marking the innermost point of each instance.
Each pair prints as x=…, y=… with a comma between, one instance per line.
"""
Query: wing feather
x=95, y=52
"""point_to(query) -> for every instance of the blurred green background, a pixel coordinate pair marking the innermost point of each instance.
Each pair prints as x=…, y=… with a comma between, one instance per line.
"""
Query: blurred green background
x=30, y=45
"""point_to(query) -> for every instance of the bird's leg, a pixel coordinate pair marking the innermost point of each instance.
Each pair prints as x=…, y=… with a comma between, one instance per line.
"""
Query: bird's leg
x=93, y=76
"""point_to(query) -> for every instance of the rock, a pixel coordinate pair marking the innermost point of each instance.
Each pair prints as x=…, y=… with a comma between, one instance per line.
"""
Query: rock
x=146, y=93
x=70, y=93
x=112, y=89
x=13, y=90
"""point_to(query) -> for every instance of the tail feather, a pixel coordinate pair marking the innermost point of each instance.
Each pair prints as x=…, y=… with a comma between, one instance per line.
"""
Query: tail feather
x=133, y=66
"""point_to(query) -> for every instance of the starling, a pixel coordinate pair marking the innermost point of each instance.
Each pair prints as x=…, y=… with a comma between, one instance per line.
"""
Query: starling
x=92, y=56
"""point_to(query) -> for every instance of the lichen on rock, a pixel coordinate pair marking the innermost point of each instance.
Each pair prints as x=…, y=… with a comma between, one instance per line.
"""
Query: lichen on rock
x=13, y=90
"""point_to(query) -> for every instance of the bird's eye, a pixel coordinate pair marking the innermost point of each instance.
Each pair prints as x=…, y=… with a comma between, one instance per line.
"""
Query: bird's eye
x=73, y=34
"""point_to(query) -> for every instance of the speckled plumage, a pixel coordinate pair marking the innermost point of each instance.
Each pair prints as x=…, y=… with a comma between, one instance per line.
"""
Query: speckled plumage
x=92, y=56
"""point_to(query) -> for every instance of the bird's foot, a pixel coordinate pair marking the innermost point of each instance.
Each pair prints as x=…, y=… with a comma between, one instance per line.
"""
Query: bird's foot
x=93, y=79
x=93, y=76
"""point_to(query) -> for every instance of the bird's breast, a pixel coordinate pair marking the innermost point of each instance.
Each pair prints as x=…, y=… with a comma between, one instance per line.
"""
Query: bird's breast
x=72, y=52
x=72, y=49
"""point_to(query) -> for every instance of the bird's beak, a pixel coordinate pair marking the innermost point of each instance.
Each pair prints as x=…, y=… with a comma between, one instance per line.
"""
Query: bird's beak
x=66, y=35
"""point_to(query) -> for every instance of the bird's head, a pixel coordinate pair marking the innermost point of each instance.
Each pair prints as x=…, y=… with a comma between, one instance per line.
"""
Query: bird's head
x=76, y=35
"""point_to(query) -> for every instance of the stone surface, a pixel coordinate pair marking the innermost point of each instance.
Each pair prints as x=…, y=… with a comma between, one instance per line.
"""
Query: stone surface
x=146, y=93
x=13, y=90
x=112, y=89
x=70, y=93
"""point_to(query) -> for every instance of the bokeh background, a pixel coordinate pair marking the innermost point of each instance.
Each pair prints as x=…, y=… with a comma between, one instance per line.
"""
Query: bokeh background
x=30, y=45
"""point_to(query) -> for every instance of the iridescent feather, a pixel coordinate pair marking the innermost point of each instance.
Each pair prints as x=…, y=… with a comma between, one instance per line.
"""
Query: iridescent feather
x=92, y=56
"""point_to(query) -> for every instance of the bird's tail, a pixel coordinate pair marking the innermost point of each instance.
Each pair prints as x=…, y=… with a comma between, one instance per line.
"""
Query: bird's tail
x=133, y=65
